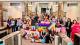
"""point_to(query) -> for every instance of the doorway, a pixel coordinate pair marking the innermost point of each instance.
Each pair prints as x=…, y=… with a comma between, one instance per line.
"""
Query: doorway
x=43, y=10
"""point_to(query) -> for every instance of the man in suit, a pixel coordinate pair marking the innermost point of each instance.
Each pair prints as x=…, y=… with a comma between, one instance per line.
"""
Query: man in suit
x=68, y=26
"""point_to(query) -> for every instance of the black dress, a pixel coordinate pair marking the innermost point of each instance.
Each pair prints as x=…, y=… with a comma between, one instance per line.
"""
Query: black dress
x=48, y=38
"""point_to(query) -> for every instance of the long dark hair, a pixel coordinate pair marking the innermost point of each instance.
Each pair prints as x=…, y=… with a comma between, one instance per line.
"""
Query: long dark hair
x=73, y=21
x=69, y=19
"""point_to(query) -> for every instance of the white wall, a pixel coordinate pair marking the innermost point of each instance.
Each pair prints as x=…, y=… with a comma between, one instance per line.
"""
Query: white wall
x=73, y=11
x=13, y=11
x=39, y=0
x=42, y=5
x=16, y=12
x=78, y=10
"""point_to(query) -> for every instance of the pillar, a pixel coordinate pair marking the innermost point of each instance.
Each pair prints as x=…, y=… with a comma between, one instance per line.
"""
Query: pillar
x=1, y=15
x=26, y=9
x=34, y=7
x=60, y=9
x=25, y=13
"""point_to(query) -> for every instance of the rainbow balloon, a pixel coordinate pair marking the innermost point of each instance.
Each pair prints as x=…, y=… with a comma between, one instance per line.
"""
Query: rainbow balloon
x=52, y=27
x=43, y=23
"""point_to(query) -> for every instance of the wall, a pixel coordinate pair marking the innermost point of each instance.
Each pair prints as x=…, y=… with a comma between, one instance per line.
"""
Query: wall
x=16, y=12
x=72, y=12
x=39, y=0
x=41, y=5
x=13, y=11
x=78, y=10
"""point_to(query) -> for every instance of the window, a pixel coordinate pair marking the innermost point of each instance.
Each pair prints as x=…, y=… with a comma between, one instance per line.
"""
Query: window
x=30, y=3
x=72, y=4
x=14, y=4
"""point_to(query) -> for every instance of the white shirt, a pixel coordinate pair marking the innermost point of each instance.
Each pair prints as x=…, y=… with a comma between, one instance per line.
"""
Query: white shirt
x=19, y=22
x=12, y=23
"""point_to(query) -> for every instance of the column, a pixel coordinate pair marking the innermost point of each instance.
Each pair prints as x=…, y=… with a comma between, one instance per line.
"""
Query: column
x=36, y=9
x=60, y=9
x=25, y=13
x=26, y=9
x=1, y=15
x=33, y=7
x=51, y=8
x=19, y=39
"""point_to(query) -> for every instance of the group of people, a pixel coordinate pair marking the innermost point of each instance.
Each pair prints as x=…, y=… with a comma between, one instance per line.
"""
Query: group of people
x=14, y=24
x=70, y=27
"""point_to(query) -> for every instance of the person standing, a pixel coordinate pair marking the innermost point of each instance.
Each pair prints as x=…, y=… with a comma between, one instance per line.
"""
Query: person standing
x=32, y=21
x=74, y=21
x=60, y=20
x=19, y=23
x=75, y=29
x=68, y=26
x=14, y=25
x=47, y=37
x=9, y=25
x=36, y=18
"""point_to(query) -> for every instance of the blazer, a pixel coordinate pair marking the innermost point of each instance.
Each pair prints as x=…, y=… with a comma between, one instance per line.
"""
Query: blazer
x=68, y=25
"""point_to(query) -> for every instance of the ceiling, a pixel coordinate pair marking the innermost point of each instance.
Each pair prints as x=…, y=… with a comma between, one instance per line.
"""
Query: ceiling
x=41, y=0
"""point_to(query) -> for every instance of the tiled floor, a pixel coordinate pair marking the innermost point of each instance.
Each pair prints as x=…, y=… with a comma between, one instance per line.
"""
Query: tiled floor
x=27, y=42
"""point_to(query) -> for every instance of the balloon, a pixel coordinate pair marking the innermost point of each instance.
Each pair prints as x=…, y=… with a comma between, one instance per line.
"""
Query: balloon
x=70, y=43
x=42, y=22
x=33, y=40
x=52, y=27
x=36, y=37
x=40, y=29
x=33, y=28
x=44, y=27
x=47, y=22
x=43, y=40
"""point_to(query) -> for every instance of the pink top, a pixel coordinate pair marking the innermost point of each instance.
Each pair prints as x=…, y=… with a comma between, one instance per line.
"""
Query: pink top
x=27, y=31
x=75, y=29
x=63, y=30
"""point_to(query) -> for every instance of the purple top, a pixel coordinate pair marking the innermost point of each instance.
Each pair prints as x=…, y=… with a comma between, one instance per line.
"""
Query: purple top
x=9, y=22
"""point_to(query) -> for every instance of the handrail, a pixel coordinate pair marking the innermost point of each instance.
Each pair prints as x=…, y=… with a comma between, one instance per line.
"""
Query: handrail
x=12, y=38
x=67, y=39
x=3, y=28
x=10, y=35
